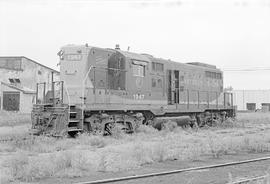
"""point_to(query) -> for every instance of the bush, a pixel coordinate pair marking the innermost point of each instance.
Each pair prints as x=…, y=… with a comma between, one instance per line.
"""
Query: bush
x=18, y=165
x=146, y=129
x=14, y=118
x=92, y=140
x=170, y=126
x=117, y=131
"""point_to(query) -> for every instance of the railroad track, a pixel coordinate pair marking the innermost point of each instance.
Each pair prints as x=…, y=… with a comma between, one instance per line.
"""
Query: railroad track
x=112, y=180
x=257, y=178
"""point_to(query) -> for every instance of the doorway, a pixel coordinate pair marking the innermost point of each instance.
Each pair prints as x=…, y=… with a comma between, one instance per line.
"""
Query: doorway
x=11, y=101
x=173, y=86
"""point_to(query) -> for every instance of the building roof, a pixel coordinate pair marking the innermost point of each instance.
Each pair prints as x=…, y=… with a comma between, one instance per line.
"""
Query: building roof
x=20, y=88
x=31, y=61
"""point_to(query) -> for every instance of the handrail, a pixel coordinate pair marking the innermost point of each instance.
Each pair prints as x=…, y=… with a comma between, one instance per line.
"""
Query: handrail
x=68, y=97
x=83, y=88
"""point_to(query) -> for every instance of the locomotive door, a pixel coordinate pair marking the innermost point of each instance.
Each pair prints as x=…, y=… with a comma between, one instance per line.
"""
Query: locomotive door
x=173, y=86
x=116, y=77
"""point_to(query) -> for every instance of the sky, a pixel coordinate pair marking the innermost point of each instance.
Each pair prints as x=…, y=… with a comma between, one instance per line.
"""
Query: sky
x=231, y=34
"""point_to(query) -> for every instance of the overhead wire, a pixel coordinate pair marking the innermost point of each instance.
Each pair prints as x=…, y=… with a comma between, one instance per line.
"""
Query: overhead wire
x=253, y=69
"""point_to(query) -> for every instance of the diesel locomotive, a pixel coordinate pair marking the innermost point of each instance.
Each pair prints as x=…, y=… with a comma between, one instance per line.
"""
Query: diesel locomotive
x=101, y=88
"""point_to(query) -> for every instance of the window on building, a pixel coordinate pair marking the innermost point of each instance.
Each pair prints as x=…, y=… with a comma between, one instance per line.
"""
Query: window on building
x=14, y=81
x=251, y=106
x=11, y=81
x=17, y=80
x=158, y=67
x=39, y=72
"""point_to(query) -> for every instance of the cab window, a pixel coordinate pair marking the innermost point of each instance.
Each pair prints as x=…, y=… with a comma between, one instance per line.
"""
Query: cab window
x=138, y=70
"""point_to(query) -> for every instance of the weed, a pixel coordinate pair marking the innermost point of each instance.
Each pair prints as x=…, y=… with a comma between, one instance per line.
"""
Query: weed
x=170, y=126
x=92, y=140
x=14, y=118
x=76, y=157
x=102, y=166
x=159, y=152
x=117, y=131
x=215, y=148
x=146, y=129
x=18, y=165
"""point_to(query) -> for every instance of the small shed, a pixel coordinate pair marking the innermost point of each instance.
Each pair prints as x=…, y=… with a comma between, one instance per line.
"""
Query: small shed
x=16, y=98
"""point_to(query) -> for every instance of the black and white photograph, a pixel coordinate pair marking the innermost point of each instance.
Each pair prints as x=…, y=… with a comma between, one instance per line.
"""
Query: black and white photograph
x=135, y=91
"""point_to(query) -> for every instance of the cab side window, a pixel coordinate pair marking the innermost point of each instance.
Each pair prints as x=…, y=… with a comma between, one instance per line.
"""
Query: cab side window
x=138, y=70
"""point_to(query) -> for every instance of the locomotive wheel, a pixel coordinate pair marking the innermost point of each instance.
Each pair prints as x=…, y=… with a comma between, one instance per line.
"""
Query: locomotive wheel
x=98, y=132
x=72, y=134
x=109, y=128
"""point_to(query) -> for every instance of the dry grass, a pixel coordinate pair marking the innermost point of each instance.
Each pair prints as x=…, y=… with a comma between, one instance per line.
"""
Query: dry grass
x=265, y=178
x=250, y=133
x=14, y=118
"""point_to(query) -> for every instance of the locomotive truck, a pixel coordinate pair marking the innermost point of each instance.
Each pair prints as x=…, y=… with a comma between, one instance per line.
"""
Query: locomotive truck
x=101, y=88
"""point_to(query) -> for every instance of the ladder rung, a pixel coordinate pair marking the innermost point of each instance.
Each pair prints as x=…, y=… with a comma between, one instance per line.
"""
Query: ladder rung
x=74, y=129
x=74, y=112
x=73, y=121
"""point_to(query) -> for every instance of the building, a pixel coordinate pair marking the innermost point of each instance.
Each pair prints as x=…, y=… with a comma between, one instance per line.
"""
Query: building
x=18, y=79
x=252, y=99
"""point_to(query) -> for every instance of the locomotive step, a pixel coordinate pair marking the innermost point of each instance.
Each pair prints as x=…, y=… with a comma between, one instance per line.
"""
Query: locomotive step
x=74, y=121
x=74, y=129
x=72, y=112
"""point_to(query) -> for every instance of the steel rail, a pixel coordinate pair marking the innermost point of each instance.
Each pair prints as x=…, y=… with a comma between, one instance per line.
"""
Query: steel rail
x=249, y=179
x=112, y=180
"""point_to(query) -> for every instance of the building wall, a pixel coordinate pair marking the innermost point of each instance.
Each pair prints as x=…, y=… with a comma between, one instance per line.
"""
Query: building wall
x=242, y=97
x=27, y=100
x=28, y=72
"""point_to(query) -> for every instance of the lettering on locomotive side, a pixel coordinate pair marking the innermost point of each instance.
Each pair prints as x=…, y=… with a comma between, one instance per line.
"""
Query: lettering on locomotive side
x=138, y=96
x=73, y=57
